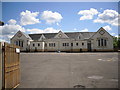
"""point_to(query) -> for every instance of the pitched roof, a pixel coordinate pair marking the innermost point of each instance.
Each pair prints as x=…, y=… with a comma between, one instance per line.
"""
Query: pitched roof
x=71, y=35
x=27, y=36
x=87, y=35
x=49, y=35
x=35, y=36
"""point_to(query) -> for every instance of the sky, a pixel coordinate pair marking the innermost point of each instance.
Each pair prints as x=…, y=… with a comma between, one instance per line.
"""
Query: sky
x=51, y=17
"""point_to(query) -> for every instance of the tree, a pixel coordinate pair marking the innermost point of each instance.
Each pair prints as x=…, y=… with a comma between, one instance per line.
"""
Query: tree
x=119, y=41
x=116, y=42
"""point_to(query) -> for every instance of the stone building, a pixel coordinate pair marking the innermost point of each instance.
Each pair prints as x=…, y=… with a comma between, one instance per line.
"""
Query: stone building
x=64, y=41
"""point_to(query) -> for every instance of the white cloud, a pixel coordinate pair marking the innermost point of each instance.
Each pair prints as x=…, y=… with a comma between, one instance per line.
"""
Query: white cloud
x=5, y=38
x=108, y=28
x=29, y=17
x=12, y=22
x=51, y=30
x=2, y=40
x=11, y=29
x=8, y=30
x=113, y=34
x=74, y=29
x=57, y=24
x=47, y=30
x=34, y=30
x=117, y=36
x=84, y=30
x=51, y=17
x=108, y=16
x=87, y=14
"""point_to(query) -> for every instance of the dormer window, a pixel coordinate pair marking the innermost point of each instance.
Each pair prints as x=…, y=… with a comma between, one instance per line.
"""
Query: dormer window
x=42, y=38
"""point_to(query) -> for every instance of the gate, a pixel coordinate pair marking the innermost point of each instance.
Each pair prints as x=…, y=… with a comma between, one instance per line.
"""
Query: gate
x=10, y=66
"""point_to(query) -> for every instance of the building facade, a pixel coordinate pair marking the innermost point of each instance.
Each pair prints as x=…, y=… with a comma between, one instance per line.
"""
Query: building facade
x=71, y=41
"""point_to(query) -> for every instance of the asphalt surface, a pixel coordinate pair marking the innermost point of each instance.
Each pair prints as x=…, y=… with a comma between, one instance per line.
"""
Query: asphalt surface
x=68, y=70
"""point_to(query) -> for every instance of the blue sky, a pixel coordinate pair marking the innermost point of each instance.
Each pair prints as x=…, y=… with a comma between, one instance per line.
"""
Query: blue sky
x=65, y=16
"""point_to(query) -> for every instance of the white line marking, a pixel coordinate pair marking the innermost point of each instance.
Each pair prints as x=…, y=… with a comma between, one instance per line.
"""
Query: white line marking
x=95, y=77
x=100, y=59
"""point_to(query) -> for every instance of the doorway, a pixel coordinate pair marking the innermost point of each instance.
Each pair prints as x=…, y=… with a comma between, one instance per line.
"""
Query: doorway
x=89, y=46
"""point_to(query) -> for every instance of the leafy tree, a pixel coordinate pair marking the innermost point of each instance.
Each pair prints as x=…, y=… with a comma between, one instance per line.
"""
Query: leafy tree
x=119, y=41
x=116, y=42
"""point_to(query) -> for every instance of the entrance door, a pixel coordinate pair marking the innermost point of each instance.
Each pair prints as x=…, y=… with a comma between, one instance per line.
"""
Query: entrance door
x=89, y=46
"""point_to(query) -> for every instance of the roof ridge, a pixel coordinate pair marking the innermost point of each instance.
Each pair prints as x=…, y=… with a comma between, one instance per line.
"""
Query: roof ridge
x=43, y=33
x=64, y=32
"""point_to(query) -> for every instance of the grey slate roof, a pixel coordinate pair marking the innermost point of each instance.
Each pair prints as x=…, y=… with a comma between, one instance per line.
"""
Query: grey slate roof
x=49, y=35
x=87, y=35
x=71, y=35
x=35, y=36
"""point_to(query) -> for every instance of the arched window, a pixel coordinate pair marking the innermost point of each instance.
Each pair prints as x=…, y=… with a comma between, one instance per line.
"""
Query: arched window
x=16, y=42
x=76, y=44
x=38, y=44
x=105, y=42
x=33, y=44
x=21, y=43
x=82, y=44
x=102, y=42
x=54, y=44
x=71, y=44
x=99, y=42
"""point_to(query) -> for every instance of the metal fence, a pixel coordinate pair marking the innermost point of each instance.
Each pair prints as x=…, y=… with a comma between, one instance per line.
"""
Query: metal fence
x=10, y=66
